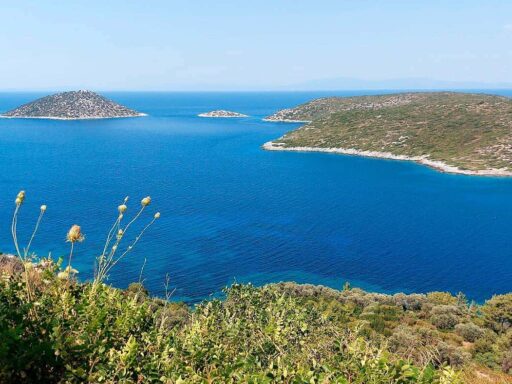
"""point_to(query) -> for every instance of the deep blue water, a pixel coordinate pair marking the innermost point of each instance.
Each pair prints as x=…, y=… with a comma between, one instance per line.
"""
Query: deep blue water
x=231, y=211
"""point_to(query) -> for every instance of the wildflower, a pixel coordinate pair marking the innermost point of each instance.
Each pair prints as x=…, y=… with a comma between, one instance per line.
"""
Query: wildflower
x=28, y=265
x=71, y=270
x=146, y=201
x=157, y=215
x=20, y=198
x=122, y=208
x=120, y=234
x=75, y=234
x=62, y=275
x=43, y=208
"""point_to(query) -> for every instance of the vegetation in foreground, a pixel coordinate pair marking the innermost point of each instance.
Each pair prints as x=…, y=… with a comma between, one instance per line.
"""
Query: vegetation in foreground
x=54, y=329
x=469, y=131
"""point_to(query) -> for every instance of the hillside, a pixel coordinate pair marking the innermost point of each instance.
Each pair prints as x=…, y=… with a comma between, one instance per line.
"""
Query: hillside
x=453, y=132
x=72, y=106
x=65, y=331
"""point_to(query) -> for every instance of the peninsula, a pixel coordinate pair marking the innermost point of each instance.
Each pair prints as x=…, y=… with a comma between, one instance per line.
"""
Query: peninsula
x=449, y=131
x=222, y=113
x=73, y=105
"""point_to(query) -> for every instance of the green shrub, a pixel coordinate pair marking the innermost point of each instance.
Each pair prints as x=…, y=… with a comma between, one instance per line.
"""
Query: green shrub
x=485, y=343
x=498, y=312
x=444, y=320
x=441, y=298
x=445, y=316
x=469, y=331
x=487, y=359
x=96, y=333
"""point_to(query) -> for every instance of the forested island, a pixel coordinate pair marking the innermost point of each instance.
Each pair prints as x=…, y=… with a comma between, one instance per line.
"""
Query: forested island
x=452, y=132
x=74, y=105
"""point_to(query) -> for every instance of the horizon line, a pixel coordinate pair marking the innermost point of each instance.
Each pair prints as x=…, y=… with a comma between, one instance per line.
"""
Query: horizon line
x=440, y=89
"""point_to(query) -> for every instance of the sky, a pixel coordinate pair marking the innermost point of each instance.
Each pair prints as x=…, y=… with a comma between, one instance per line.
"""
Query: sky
x=167, y=45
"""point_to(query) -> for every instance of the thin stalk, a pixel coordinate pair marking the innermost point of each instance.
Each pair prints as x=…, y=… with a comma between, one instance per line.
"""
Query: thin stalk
x=108, y=262
x=137, y=239
x=135, y=218
x=101, y=259
x=130, y=247
x=110, y=234
x=16, y=245
x=142, y=271
x=34, y=233
x=69, y=261
x=14, y=232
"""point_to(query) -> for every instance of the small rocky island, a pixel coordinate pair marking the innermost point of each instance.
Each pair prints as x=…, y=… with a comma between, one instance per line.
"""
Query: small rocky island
x=453, y=132
x=222, y=113
x=74, y=105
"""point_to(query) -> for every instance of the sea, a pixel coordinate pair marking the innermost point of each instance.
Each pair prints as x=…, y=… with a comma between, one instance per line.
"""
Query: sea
x=232, y=212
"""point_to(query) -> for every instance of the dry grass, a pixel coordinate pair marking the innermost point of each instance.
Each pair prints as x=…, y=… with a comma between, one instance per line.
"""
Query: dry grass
x=10, y=265
x=481, y=375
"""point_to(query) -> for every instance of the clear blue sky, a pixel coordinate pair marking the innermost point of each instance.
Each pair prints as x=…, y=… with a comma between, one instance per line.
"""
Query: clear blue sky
x=263, y=44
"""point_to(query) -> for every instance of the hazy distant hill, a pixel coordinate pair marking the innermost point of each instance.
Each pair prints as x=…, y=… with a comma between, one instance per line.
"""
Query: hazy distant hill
x=412, y=83
x=72, y=105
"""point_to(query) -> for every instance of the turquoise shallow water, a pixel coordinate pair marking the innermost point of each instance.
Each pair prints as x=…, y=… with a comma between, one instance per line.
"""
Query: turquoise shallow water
x=231, y=211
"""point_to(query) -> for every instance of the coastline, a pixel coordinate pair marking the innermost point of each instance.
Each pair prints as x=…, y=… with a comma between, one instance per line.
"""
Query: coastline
x=423, y=160
x=71, y=118
x=285, y=121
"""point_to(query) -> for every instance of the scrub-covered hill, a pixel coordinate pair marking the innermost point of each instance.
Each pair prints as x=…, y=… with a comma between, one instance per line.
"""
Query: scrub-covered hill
x=453, y=132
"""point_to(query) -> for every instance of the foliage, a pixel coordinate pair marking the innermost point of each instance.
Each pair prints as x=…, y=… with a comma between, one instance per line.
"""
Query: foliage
x=498, y=312
x=97, y=333
x=469, y=131
x=469, y=331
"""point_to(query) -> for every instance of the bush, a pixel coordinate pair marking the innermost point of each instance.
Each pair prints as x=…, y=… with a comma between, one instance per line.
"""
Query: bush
x=444, y=321
x=498, y=312
x=412, y=302
x=485, y=343
x=506, y=362
x=487, y=359
x=137, y=289
x=445, y=316
x=172, y=315
x=441, y=298
x=452, y=355
x=469, y=331
x=96, y=333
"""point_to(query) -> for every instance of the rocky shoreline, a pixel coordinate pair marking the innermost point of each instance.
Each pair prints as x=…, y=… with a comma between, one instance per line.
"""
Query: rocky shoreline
x=283, y=120
x=72, y=118
x=423, y=160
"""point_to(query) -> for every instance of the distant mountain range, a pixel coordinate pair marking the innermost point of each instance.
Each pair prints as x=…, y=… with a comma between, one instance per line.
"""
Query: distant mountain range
x=412, y=83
